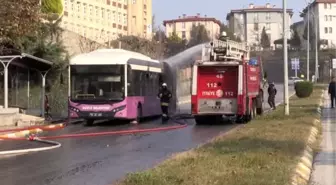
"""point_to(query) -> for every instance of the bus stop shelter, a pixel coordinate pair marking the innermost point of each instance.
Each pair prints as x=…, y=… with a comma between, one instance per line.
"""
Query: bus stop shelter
x=29, y=62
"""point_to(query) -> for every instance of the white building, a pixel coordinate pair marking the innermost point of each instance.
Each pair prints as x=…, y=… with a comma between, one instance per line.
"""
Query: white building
x=322, y=13
x=248, y=23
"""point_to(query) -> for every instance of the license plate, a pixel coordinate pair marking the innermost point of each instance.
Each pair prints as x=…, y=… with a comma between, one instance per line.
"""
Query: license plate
x=95, y=114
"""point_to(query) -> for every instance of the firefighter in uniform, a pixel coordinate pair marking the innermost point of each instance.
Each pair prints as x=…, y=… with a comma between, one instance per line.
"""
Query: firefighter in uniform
x=272, y=91
x=164, y=96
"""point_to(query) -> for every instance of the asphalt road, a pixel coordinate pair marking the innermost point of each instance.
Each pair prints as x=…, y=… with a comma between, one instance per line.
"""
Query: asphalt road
x=103, y=160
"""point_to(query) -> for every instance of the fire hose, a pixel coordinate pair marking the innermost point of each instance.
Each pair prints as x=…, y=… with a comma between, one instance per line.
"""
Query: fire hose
x=48, y=139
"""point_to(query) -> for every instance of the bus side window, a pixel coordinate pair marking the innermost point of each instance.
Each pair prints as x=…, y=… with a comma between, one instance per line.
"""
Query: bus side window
x=130, y=86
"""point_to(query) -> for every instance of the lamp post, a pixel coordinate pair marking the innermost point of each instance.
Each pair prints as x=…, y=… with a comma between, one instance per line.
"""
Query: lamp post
x=285, y=57
x=308, y=41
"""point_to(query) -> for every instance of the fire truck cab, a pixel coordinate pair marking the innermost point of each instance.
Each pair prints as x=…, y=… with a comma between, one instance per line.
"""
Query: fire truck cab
x=226, y=82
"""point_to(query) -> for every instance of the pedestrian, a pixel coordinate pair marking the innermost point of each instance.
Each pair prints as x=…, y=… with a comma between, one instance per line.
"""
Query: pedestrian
x=165, y=96
x=332, y=92
x=272, y=91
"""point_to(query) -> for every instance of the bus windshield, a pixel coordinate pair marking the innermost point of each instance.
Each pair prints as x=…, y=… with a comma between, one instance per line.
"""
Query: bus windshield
x=97, y=82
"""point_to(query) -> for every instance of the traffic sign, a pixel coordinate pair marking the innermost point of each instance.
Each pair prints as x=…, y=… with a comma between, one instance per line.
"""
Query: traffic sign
x=295, y=63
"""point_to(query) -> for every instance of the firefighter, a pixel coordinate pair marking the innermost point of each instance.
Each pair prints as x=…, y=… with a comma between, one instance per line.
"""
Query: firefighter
x=332, y=92
x=165, y=96
x=272, y=91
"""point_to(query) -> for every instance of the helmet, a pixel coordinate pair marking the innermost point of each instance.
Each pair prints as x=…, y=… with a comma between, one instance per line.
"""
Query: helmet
x=164, y=85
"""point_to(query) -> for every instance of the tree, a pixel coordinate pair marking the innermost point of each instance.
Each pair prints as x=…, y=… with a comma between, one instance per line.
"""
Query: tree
x=87, y=45
x=265, y=41
x=174, y=45
x=229, y=32
x=311, y=32
x=295, y=40
x=52, y=7
x=18, y=18
x=198, y=35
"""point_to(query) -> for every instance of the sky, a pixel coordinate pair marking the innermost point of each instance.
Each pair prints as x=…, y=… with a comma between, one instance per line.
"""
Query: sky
x=171, y=9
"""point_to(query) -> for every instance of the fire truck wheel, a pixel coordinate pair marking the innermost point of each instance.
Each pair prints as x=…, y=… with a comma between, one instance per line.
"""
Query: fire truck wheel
x=200, y=120
x=259, y=107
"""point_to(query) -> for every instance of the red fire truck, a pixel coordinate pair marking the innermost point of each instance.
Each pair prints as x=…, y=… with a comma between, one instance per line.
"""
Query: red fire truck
x=226, y=83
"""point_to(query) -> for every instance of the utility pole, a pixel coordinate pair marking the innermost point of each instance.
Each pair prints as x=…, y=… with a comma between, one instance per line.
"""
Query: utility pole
x=285, y=57
x=317, y=21
x=308, y=42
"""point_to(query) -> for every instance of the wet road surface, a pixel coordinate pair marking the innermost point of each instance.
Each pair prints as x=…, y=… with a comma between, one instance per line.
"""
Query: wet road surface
x=103, y=160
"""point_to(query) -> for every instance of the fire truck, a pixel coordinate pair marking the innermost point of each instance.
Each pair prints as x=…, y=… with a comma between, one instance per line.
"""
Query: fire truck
x=226, y=82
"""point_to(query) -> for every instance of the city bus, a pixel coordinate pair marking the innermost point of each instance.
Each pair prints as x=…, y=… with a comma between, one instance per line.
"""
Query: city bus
x=114, y=84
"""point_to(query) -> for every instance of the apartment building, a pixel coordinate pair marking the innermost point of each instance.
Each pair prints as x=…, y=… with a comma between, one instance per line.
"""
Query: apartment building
x=183, y=25
x=248, y=23
x=322, y=13
x=104, y=20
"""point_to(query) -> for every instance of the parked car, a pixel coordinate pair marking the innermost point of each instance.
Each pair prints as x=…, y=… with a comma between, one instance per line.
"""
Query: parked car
x=293, y=80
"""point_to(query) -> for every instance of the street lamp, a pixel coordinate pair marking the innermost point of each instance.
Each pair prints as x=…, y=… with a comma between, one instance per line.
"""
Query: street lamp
x=308, y=40
x=285, y=50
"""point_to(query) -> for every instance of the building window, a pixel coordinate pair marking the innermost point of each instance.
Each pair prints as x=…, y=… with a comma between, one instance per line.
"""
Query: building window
x=330, y=17
x=103, y=13
x=325, y=5
x=183, y=35
x=268, y=16
x=97, y=12
x=84, y=9
x=183, y=25
x=134, y=20
x=72, y=6
x=325, y=30
x=78, y=7
x=114, y=16
x=90, y=10
x=325, y=18
x=125, y=19
x=119, y=17
x=256, y=27
x=329, y=5
x=108, y=15
x=256, y=17
x=65, y=4
x=330, y=29
x=268, y=26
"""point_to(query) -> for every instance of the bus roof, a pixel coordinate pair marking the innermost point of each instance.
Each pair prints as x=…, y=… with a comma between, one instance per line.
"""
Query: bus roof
x=109, y=56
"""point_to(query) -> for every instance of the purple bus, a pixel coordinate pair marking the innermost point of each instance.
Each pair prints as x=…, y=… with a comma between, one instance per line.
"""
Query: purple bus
x=114, y=84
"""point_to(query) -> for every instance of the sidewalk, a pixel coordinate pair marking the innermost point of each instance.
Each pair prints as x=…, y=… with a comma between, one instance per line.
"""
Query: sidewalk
x=324, y=170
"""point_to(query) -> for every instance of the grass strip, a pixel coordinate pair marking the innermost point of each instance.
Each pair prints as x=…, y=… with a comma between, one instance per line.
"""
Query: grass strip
x=263, y=152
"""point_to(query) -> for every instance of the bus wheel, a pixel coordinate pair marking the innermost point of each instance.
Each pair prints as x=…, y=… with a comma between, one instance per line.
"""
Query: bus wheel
x=139, y=114
x=89, y=122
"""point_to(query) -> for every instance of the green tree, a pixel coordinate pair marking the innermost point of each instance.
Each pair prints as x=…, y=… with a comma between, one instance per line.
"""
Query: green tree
x=174, y=45
x=311, y=32
x=295, y=40
x=265, y=41
x=18, y=18
x=198, y=35
x=52, y=7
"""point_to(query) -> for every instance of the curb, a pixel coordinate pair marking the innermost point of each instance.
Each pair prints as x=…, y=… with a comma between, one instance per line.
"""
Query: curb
x=304, y=167
x=25, y=133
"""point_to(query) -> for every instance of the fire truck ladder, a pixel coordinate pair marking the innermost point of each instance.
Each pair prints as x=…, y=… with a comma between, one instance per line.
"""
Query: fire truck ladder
x=224, y=50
